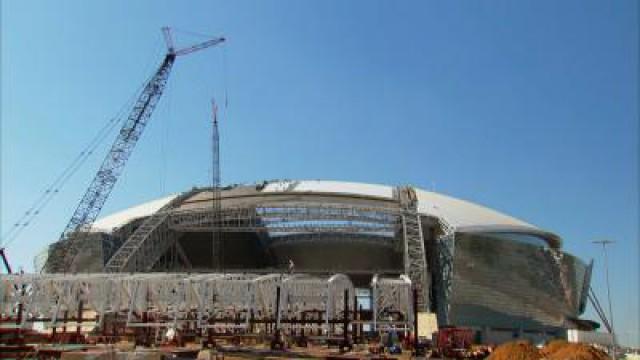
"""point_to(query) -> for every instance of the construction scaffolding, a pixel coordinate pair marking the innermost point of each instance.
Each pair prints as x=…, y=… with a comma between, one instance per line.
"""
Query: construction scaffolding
x=415, y=259
x=207, y=304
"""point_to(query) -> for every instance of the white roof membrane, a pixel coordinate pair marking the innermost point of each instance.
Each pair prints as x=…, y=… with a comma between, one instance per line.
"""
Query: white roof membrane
x=326, y=186
x=459, y=213
x=115, y=220
x=464, y=214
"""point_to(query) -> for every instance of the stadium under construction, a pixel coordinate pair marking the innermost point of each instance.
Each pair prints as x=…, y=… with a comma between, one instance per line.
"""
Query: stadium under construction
x=307, y=258
x=472, y=266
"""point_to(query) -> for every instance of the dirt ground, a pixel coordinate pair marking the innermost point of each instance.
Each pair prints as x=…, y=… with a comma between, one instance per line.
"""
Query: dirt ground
x=311, y=352
x=554, y=350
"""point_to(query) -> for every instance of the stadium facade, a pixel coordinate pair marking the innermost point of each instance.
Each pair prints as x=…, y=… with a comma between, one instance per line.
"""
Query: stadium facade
x=474, y=266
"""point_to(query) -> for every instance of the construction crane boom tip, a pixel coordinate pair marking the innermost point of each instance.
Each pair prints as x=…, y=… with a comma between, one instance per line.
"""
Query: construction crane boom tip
x=168, y=38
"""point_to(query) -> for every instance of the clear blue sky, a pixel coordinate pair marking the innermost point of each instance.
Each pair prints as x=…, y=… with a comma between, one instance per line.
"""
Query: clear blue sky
x=529, y=107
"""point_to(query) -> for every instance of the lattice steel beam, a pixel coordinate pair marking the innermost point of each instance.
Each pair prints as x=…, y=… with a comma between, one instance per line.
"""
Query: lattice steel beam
x=148, y=242
x=288, y=218
x=415, y=260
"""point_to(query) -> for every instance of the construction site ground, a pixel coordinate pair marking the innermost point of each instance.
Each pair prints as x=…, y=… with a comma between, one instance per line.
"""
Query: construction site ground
x=519, y=350
x=118, y=352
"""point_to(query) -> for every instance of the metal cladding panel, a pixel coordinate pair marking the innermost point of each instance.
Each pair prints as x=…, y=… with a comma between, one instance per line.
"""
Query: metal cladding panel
x=508, y=283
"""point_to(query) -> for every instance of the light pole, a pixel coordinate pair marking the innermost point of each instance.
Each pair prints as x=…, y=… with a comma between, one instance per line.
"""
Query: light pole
x=604, y=244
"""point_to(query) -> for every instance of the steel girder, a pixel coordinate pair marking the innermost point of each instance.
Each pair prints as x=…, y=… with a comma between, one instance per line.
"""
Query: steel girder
x=148, y=242
x=415, y=259
x=158, y=232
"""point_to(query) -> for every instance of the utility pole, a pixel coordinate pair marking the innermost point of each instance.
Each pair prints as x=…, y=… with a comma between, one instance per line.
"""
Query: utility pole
x=604, y=244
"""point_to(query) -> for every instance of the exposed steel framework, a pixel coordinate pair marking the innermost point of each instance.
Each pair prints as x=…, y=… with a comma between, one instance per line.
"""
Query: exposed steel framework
x=399, y=226
x=243, y=303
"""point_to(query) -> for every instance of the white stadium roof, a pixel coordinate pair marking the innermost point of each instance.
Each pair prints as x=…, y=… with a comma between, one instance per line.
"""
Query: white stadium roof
x=115, y=220
x=463, y=215
x=336, y=187
x=459, y=213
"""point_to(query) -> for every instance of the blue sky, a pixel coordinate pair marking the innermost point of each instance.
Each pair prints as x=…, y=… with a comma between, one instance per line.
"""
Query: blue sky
x=528, y=107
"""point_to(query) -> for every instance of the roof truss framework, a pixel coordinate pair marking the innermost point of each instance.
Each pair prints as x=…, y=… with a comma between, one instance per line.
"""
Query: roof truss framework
x=147, y=244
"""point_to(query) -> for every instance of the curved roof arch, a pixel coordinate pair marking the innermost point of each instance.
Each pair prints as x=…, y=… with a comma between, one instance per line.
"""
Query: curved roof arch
x=464, y=215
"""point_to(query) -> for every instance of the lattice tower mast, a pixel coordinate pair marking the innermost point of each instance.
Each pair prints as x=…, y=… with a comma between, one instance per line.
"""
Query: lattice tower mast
x=216, y=238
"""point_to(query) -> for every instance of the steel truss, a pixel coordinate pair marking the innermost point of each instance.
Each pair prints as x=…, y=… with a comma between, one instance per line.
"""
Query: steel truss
x=289, y=217
x=158, y=232
x=201, y=301
x=148, y=242
x=415, y=259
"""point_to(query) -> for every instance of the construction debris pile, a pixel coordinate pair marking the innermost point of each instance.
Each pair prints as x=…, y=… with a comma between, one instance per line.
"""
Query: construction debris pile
x=518, y=350
x=577, y=352
x=554, y=350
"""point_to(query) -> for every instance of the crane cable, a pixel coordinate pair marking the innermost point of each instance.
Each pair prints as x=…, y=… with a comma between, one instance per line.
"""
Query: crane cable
x=224, y=60
x=29, y=216
x=192, y=33
x=164, y=138
x=224, y=79
x=54, y=188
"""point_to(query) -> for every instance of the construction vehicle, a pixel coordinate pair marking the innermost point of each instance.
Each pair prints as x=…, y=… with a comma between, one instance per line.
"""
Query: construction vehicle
x=453, y=342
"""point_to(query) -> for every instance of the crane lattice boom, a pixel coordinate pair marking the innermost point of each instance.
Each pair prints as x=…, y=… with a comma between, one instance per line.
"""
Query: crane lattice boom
x=96, y=195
